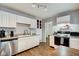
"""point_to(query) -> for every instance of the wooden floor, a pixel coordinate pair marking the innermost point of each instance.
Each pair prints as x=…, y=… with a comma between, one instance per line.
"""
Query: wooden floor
x=45, y=50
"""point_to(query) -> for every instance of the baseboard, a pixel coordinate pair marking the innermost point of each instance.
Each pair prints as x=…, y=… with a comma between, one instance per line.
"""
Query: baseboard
x=24, y=50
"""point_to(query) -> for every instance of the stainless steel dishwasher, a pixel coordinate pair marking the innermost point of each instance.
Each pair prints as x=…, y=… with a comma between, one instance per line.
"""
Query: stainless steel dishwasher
x=9, y=47
x=5, y=48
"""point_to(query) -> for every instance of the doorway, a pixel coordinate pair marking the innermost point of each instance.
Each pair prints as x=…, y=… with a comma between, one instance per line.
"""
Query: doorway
x=48, y=31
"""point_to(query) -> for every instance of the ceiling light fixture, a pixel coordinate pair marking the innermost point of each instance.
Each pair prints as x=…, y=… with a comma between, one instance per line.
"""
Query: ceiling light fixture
x=39, y=6
x=33, y=5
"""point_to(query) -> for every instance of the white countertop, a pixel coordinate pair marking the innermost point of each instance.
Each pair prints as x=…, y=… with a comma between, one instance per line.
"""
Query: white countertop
x=15, y=37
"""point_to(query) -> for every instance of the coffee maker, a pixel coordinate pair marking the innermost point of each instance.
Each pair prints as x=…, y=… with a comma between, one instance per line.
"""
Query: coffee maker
x=11, y=33
x=2, y=33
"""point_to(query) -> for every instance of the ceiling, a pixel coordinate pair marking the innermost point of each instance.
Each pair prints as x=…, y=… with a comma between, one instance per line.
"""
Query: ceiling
x=52, y=8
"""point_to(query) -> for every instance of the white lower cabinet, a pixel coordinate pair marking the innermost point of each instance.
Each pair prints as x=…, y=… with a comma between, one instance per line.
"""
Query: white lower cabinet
x=35, y=40
x=74, y=43
x=39, y=32
x=21, y=44
x=25, y=43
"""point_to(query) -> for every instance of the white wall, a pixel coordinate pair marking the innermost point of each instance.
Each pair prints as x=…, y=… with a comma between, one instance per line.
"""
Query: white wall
x=21, y=27
x=75, y=27
x=63, y=19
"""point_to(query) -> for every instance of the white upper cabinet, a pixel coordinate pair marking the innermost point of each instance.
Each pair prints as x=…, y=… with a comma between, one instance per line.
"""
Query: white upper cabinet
x=63, y=19
x=21, y=19
x=25, y=43
x=3, y=18
x=7, y=19
x=33, y=24
x=12, y=20
x=26, y=20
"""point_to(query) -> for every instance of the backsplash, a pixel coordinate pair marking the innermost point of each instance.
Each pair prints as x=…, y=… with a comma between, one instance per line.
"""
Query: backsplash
x=21, y=27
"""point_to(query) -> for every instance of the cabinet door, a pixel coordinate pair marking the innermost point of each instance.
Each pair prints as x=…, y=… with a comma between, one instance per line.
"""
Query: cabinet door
x=35, y=40
x=38, y=24
x=0, y=19
x=21, y=44
x=57, y=40
x=39, y=32
x=3, y=16
x=66, y=42
x=28, y=20
x=29, y=42
x=19, y=19
x=12, y=20
x=24, y=43
x=7, y=19
x=4, y=24
x=33, y=24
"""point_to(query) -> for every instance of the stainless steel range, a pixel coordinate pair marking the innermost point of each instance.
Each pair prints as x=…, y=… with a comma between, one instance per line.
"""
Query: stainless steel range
x=62, y=39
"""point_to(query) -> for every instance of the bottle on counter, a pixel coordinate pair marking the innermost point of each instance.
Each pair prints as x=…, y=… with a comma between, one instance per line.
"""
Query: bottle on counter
x=2, y=33
x=11, y=33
